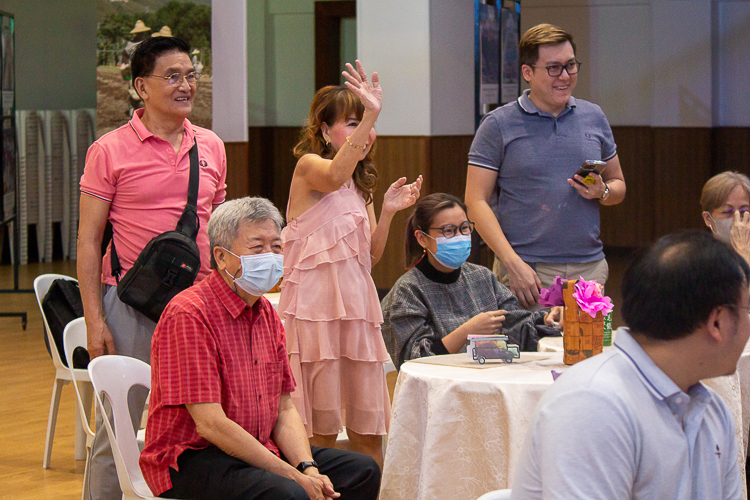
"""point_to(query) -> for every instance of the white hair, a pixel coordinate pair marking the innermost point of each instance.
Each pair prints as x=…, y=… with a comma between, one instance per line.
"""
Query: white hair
x=224, y=225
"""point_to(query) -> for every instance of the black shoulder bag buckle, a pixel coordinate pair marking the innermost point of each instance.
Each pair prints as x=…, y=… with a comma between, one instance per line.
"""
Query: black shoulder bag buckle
x=169, y=263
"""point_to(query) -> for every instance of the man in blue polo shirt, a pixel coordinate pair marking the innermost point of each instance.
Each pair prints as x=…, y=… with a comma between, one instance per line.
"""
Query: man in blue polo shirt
x=545, y=224
x=636, y=422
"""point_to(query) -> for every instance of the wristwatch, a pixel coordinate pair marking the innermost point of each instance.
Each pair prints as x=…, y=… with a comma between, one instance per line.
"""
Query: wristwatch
x=605, y=194
x=304, y=465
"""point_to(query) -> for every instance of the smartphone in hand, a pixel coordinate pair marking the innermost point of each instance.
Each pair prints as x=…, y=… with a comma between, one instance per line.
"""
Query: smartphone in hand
x=589, y=167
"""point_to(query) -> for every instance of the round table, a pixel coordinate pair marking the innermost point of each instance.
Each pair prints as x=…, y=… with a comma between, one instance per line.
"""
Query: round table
x=457, y=431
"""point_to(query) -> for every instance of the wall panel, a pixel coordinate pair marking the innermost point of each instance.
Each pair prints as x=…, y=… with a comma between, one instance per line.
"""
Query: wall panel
x=682, y=164
x=631, y=223
x=449, y=156
x=730, y=149
x=237, y=171
x=395, y=157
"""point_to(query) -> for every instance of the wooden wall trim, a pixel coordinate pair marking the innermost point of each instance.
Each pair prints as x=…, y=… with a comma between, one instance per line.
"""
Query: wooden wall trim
x=237, y=172
x=664, y=168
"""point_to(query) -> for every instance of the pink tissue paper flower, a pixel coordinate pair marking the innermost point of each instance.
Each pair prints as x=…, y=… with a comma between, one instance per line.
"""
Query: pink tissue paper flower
x=552, y=296
x=588, y=295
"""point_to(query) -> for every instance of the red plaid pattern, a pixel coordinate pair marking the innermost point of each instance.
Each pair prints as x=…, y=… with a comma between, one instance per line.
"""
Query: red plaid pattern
x=210, y=347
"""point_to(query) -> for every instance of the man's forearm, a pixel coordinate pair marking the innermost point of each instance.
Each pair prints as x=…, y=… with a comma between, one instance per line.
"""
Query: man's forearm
x=490, y=230
x=289, y=433
x=233, y=440
x=89, y=270
x=616, y=192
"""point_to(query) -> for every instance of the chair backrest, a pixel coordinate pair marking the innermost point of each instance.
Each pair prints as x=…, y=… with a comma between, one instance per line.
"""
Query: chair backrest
x=74, y=336
x=41, y=287
x=114, y=376
x=496, y=495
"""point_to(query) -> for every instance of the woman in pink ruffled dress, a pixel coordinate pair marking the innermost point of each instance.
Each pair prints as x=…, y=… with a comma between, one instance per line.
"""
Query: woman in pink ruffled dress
x=328, y=299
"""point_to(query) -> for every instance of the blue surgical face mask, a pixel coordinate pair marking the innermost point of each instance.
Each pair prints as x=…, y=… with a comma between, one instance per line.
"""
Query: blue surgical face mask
x=452, y=252
x=260, y=272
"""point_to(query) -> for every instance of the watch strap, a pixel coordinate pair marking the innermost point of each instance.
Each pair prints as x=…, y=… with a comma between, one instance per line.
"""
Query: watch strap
x=305, y=465
x=605, y=194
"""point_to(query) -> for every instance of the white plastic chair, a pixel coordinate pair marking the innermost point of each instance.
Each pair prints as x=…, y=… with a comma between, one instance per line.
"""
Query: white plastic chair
x=114, y=376
x=75, y=336
x=62, y=376
x=496, y=495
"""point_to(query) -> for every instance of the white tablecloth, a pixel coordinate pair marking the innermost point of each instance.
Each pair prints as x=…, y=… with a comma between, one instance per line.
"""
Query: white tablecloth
x=457, y=432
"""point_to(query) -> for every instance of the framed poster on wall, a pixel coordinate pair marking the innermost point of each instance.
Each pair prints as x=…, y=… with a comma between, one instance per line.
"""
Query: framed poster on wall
x=510, y=81
x=489, y=54
x=7, y=103
x=497, y=75
x=122, y=26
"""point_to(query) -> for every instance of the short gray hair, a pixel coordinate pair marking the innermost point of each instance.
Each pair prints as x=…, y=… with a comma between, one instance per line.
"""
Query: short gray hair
x=224, y=225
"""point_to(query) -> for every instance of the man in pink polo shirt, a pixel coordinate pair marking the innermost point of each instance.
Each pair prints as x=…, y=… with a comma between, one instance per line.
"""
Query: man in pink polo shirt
x=137, y=178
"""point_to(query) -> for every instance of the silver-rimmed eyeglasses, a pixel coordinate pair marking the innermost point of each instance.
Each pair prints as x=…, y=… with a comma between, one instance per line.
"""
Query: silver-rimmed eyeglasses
x=175, y=79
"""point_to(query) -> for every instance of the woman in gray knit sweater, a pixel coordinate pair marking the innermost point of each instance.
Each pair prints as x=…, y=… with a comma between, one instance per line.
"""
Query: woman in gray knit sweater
x=434, y=306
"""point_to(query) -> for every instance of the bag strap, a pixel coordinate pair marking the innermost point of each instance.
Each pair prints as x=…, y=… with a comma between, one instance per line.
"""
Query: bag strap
x=189, y=224
x=114, y=260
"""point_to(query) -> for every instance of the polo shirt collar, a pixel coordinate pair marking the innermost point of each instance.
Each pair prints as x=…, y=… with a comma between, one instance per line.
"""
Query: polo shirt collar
x=143, y=133
x=529, y=107
x=655, y=380
x=234, y=305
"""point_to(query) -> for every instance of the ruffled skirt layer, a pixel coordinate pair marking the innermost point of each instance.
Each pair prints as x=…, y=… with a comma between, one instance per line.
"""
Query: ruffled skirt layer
x=332, y=320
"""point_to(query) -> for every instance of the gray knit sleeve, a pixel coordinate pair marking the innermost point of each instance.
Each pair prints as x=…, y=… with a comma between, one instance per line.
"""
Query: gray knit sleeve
x=407, y=327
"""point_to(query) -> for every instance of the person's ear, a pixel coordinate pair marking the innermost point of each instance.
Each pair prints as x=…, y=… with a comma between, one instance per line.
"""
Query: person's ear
x=325, y=131
x=220, y=256
x=719, y=322
x=526, y=71
x=708, y=220
x=139, y=84
x=421, y=238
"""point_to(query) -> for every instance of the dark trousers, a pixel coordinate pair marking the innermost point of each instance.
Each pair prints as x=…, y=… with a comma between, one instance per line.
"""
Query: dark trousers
x=210, y=474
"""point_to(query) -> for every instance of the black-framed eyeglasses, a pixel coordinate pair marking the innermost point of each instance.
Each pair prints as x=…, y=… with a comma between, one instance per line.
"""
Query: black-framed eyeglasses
x=449, y=230
x=175, y=79
x=555, y=70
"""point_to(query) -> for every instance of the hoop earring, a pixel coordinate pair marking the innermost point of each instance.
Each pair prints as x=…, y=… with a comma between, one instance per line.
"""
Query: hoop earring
x=328, y=144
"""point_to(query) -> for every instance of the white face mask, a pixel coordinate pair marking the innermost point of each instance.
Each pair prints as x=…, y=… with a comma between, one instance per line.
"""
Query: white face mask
x=260, y=272
x=723, y=228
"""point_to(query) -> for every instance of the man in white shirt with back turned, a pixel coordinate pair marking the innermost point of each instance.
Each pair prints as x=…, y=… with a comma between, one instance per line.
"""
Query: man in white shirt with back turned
x=636, y=422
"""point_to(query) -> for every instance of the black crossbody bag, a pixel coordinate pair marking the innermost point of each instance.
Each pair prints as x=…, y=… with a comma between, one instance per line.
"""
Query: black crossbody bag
x=168, y=264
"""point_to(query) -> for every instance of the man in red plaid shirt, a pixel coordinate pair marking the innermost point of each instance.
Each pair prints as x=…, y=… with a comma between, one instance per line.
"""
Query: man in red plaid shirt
x=221, y=420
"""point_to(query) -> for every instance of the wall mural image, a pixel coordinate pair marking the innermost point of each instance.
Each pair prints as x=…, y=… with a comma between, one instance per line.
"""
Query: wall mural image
x=123, y=24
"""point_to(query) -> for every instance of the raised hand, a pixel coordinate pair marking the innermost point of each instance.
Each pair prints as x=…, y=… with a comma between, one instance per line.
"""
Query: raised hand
x=740, y=234
x=368, y=92
x=401, y=195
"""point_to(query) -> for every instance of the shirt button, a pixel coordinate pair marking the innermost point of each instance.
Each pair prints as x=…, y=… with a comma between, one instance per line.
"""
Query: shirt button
x=678, y=401
x=676, y=416
x=260, y=396
x=256, y=361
